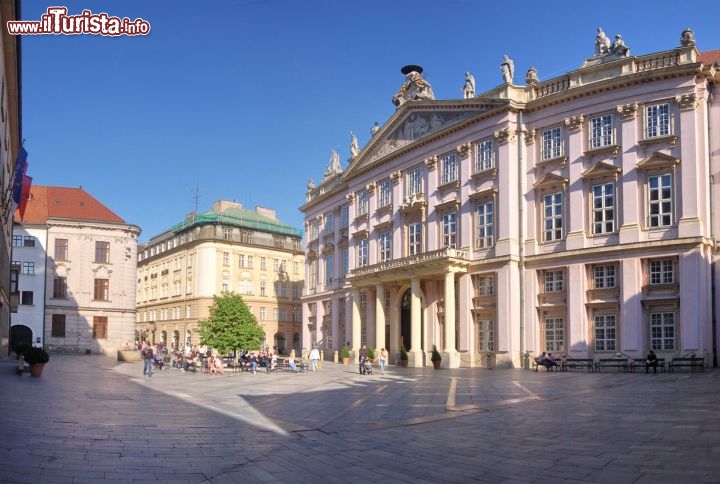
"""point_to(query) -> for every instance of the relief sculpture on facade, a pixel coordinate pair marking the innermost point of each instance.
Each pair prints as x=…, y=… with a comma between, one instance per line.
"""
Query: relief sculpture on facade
x=416, y=126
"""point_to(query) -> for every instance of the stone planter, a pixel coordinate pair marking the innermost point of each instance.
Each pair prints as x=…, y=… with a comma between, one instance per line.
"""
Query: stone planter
x=36, y=369
x=404, y=363
x=346, y=361
x=436, y=364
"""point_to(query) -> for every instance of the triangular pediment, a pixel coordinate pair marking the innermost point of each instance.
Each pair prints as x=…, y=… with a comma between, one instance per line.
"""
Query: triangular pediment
x=550, y=181
x=601, y=170
x=416, y=121
x=657, y=160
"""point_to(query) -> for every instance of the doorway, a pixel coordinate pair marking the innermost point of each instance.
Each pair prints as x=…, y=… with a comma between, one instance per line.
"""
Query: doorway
x=406, y=322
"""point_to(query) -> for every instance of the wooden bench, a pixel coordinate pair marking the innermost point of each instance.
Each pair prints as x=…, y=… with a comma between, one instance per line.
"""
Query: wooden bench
x=283, y=366
x=576, y=363
x=694, y=363
x=611, y=363
x=641, y=362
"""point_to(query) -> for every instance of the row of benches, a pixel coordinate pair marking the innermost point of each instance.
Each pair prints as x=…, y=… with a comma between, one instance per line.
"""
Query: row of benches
x=627, y=365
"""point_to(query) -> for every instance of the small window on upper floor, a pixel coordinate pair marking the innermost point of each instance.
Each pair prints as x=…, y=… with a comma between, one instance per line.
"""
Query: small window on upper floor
x=362, y=203
x=414, y=181
x=449, y=169
x=660, y=200
x=658, y=121
x=553, y=217
x=385, y=192
x=601, y=132
x=484, y=155
x=554, y=280
x=552, y=143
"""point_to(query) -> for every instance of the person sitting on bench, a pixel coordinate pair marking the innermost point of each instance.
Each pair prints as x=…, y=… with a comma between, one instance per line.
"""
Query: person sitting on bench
x=549, y=361
x=292, y=365
x=651, y=360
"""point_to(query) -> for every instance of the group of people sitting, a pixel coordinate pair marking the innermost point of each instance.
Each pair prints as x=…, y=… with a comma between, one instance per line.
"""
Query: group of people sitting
x=547, y=360
x=194, y=358
x=263, y=359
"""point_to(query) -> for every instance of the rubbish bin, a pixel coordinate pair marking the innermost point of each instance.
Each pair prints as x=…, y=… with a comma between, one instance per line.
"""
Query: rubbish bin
x=490, y=361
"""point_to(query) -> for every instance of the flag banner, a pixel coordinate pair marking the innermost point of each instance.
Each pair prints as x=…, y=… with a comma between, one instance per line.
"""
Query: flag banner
x=20, y=170
x=26, y=184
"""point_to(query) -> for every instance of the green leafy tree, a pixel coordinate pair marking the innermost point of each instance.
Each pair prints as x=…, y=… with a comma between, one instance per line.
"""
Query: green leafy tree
x=231, y=325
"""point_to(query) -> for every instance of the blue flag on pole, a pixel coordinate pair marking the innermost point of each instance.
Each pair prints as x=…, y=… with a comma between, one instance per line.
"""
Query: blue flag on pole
x=20, y=170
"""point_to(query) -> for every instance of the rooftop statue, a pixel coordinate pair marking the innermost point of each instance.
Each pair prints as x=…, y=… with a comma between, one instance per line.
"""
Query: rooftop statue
x=414, y=88
x=602, y=43
x=469, y=86
x=687, y=39
x=618, y=47
x=531, y=77
x=354, y=147
x=334, y=166
x=508, y=69
x=375, y=128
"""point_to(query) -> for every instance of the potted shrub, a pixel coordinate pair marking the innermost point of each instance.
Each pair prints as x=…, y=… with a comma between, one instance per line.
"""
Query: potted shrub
x=345, y=355
x=36, y=357
x=403, y=356
x=371, y=354
x=435, y=358
x=21, y=348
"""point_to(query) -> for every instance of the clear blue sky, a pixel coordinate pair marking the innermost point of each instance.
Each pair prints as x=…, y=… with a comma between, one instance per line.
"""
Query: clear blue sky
x=245, y=98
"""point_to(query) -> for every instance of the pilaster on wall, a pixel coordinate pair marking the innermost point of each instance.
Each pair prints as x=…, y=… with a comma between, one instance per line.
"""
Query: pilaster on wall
x=633, y=327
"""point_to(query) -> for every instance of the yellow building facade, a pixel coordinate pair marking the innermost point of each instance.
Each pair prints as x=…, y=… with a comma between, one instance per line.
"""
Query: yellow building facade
x=226, y=249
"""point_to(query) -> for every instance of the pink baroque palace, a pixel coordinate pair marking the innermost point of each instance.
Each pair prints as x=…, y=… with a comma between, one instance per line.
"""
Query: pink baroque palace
x=577, y=216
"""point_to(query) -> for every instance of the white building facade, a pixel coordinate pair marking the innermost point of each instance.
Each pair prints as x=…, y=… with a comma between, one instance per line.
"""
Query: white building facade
x=78, y=266
x=575, y=216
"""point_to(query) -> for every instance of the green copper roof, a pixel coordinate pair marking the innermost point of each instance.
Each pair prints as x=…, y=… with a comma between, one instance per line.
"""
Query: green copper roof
x=239, y=218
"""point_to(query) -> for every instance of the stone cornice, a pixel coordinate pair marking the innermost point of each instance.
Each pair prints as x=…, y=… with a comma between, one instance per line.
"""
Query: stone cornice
x=624, y=249
x=612, y=83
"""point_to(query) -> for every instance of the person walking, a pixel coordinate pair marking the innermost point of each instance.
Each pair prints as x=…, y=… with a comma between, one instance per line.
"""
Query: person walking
x=363, y=356
x=382, y=358
x=314, y=358
x=147, y=355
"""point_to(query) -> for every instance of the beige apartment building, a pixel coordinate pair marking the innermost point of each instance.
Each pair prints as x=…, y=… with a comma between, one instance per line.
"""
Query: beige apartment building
x=226, y=249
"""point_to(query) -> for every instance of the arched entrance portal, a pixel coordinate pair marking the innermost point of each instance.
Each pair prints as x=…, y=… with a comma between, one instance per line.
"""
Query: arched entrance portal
x=20, y=335
x=406, y=322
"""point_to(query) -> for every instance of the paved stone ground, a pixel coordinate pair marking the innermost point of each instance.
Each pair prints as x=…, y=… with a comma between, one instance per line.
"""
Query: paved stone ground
x=91, y=419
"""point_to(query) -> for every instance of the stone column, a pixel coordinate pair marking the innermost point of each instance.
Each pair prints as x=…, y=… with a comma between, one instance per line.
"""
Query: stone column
x=379, y=316
x=451, y=358
x=415, y=353
x=356, y=334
